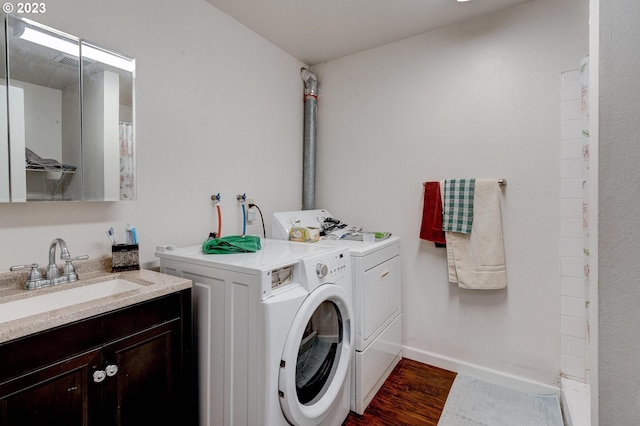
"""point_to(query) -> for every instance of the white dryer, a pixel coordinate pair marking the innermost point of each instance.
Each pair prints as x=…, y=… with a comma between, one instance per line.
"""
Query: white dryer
x=376, y=300
x=274, y=333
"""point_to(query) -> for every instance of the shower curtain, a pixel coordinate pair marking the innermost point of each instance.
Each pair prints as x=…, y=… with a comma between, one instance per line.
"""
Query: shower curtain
x=127, y=162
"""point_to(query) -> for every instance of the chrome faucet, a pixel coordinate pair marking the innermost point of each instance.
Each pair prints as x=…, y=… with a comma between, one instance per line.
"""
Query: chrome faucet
x=35, y=279
x=52, y=268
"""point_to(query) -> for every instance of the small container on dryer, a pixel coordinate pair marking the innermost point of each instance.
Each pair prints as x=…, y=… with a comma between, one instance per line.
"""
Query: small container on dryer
x=304, y=234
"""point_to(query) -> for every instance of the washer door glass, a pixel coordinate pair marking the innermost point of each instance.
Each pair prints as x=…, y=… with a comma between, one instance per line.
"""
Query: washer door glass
x=316, y=357
x=317, y=352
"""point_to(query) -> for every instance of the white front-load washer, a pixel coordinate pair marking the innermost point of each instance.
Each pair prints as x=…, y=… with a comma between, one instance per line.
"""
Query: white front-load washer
x=274, y=333
x=376, y=302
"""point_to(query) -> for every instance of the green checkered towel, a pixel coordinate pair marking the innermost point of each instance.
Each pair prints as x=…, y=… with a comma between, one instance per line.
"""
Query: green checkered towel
x=457, y=205
x=232, y=244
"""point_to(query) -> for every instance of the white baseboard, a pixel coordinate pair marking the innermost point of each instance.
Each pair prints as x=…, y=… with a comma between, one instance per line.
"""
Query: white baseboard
x=488, y=374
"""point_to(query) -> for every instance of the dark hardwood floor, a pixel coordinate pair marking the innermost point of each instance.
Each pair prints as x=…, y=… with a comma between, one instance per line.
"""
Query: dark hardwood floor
x=414, y=394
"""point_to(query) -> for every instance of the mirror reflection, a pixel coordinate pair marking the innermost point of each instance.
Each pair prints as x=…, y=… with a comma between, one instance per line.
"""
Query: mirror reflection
x=70, y=123
x=107, y=131
x=44, y=112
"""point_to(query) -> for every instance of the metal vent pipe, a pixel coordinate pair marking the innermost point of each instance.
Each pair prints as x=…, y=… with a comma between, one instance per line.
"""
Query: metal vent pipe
x=309, y=149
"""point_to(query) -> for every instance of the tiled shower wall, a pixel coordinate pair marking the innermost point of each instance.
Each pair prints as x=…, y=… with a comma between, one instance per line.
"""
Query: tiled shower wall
x=573, y=311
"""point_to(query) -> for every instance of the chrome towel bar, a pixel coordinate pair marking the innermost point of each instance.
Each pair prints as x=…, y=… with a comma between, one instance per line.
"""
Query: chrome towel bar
x=501, y=182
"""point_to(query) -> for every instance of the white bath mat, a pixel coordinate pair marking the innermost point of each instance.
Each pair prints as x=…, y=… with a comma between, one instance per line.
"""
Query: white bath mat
x=473, y=402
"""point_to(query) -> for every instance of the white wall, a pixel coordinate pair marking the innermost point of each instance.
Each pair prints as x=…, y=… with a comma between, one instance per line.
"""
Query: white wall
x=619, y=202
x=478, y=99
x=218, y=109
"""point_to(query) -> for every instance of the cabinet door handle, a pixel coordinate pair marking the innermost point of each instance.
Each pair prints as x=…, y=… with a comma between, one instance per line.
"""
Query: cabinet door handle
x=99, y=376
x=384, y=275
x=111, y=370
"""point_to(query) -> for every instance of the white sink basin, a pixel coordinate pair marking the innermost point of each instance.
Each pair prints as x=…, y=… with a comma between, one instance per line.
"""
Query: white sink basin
x=64, y=298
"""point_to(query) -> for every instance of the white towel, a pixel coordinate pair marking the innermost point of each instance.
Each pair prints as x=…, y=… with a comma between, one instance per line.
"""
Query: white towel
x=476, y=260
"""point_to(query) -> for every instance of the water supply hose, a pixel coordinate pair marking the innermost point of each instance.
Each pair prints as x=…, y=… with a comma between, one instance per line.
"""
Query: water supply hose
x=244, y=219
x=216, y=199
x=242, y=198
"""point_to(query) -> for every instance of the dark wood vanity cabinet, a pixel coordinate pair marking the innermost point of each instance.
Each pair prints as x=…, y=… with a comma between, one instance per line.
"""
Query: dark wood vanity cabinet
x=132, y=366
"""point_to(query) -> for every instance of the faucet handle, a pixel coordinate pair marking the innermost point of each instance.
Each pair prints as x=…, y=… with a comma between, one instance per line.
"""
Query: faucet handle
x=33, y=266
x=69, y=271
x=34, y=275
x=19, y=267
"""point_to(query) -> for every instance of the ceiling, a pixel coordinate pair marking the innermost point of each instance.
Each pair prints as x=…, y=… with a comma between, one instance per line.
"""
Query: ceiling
x=316, y=31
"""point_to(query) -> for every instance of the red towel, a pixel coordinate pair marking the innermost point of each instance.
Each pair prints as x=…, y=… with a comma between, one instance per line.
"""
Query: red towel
x=431, y=229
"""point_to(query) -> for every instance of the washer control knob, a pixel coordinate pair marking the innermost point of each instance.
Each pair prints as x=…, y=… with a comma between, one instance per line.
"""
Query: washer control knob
x=322, y=270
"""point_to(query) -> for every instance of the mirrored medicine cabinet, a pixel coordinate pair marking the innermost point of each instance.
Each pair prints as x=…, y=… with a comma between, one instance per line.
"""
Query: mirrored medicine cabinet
x=66, y=117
